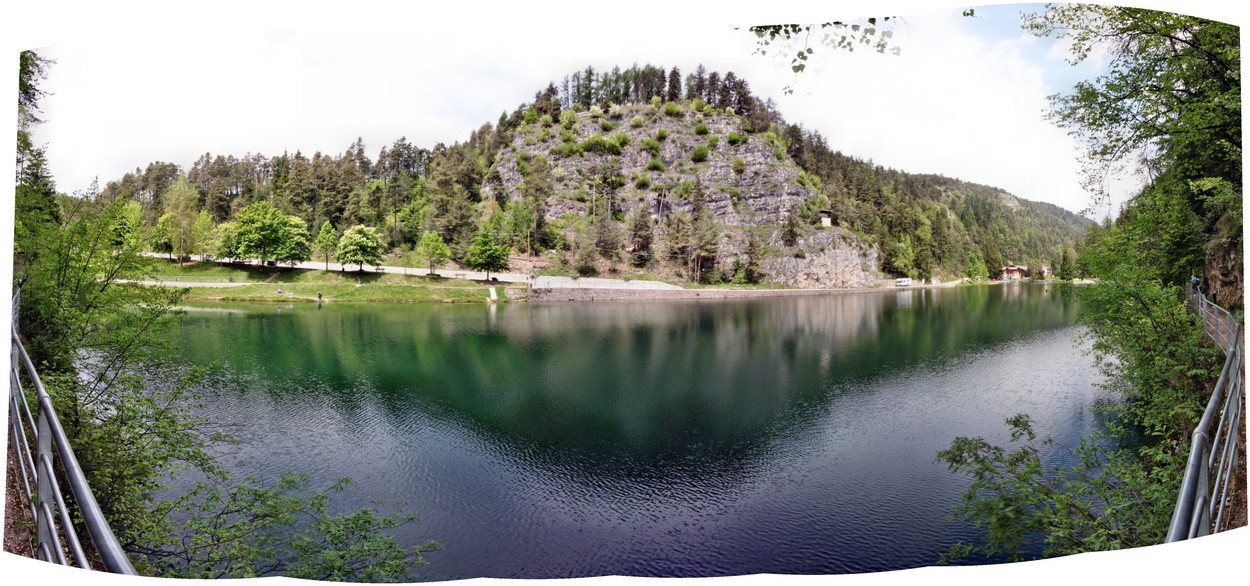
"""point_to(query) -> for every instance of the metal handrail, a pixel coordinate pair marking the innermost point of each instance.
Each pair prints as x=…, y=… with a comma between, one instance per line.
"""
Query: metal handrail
x=53, y=522
x=1205, y=489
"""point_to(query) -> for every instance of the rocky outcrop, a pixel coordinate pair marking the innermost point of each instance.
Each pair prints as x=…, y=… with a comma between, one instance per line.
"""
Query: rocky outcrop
x=826, y=259
x=750, y=183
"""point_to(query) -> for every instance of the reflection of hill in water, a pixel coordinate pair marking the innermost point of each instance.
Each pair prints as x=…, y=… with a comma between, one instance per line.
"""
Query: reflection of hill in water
x=644, y=382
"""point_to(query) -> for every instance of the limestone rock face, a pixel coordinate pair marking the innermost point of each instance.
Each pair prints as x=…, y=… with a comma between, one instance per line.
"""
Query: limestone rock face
x=764, y=187
x=829, y=260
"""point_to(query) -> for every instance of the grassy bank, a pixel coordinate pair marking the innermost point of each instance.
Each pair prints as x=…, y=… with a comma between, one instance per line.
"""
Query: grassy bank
x=279, y=284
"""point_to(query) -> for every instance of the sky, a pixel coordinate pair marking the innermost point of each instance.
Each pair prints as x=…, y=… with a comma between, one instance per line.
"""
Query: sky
x=964, y=99
x=141, y=81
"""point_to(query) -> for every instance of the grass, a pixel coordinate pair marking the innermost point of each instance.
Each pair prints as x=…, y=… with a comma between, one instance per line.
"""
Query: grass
x=303, y=285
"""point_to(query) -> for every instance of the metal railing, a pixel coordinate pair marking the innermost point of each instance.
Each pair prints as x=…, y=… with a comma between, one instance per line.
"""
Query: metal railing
x=1203, y=503
x=55, y=531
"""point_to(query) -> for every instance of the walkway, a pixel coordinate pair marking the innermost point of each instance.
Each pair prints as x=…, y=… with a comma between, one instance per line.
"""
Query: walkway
x=540, y=282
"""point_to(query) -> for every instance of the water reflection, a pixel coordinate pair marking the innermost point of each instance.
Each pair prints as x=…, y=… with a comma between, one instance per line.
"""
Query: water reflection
x=657, y=438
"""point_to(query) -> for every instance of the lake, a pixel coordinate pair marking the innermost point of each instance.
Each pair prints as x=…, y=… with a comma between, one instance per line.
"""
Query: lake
x=791, y=435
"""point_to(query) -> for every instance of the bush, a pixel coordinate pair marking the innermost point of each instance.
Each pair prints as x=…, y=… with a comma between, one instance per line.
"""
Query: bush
x=545, y=120
x=661, y=134
x=697, y=105
x=712, y=141
x=596, y=111
x=568, y=118
x=642, y=181
x=616, y=111
x=599, y=144
x=700, y=129
x=567, y=135
x=607, y=125
x=673, y=110
x=636, y=122
x=531, y=115
x=570, y=149
x=736, y=139
x=655, y=164
x=650, y=145
x=700, y=154
x=740, y=165
x=656, y=101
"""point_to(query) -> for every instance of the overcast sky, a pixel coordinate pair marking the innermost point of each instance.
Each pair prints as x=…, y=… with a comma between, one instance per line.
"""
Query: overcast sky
x=965, y=98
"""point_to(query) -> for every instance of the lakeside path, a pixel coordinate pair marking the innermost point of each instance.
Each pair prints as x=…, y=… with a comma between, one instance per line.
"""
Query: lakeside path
x=534, y=281
x=552, y=288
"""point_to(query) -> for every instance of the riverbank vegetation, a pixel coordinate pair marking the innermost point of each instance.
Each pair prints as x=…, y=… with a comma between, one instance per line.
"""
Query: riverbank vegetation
x=89, y=327
x=1171, y=99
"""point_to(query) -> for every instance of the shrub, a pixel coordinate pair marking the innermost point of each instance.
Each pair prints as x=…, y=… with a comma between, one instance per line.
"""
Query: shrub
x=531, y=115
x=655, y=164
x=616, y=111
x=740, y=165
x=546, y=120
x=607, y=125
x=700, y=129
x=596, y=111
x=656, y=101
x=661, y=134
x=700, y=154
x=636, y=122
x=568, y=118
x=697, y=105
x=642, y=181
x=684, y=190
x=567, y=135
x=570, y=149
x=712, y=141
x=598, y=144
x=736, y=139
x=673, y=110
x=650, y=145
x=621, y=139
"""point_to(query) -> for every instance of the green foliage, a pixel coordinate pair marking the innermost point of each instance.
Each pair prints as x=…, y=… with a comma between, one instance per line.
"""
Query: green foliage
x=736, y=138
x=699, y=154
x=655, y=164
x=359, y=245
x=599, y=144
x=486, y=255
x=432, y=251
x=637, y=122
x=977, y=270
x=739, y=165
x=642, y=181
x=673, y=110
x=327, y=242
x=712, y=141
x=296, y=246
x=650, y=145
x=1109, y=500
x=661, y=134
x=700, y=129
x=607, y=125
x=568, y=119
x=262, y=232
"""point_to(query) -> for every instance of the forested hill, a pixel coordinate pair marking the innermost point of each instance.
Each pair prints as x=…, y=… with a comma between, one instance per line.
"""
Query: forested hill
x=643, y=170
